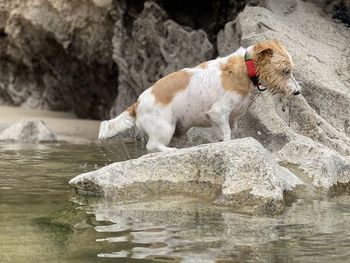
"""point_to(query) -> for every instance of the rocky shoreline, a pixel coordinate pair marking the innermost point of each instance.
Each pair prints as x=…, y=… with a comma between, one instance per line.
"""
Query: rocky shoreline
x=121, y=49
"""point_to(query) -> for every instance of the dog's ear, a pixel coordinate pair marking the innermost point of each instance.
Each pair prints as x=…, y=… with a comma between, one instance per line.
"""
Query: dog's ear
x=264, y=48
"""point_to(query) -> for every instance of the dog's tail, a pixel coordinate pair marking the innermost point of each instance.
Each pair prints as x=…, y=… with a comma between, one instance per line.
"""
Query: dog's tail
x=123, y=122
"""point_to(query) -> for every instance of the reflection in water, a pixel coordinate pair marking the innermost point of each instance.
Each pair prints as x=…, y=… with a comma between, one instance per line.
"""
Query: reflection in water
x=42, y=221
x=182, y=228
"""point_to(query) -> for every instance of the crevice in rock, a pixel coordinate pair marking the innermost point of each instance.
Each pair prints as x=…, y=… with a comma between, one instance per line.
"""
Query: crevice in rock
x=211, y=16
x=2, y=33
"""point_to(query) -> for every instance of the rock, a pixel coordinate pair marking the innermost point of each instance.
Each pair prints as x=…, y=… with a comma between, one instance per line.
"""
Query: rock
x=236, y=173
x=56, y=57
x=29, y=132
x=314, y=163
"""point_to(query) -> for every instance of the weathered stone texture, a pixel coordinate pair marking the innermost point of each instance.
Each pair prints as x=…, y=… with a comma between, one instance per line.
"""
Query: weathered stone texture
x=236, y=173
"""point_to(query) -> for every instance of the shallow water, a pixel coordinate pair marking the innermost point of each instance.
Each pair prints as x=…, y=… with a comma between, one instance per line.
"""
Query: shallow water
x=41, y=220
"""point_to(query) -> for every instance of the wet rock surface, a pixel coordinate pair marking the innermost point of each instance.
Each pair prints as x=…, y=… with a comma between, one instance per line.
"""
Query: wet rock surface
x=236, y=173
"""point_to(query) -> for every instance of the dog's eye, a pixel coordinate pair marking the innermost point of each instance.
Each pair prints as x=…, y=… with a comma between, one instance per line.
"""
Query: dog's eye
x=286, y=71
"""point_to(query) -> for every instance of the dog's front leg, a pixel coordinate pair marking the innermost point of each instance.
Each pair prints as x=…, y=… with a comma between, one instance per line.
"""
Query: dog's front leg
x=234, y=126
x=226, y=132
x=219, y=115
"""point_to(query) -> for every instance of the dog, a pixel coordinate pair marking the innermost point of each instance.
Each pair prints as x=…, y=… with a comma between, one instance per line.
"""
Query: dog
x=214, y=93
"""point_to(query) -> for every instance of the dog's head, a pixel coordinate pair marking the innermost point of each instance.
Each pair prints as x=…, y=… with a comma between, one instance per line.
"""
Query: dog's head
x=274, y=67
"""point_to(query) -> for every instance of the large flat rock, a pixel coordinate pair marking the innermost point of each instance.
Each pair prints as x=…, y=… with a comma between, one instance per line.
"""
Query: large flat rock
x=235, y=173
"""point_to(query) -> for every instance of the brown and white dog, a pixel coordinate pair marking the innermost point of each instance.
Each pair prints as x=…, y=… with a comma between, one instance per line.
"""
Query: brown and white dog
x=213, y=93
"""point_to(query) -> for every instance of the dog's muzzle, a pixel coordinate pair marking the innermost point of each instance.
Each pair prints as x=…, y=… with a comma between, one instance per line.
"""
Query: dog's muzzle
x=294, y=86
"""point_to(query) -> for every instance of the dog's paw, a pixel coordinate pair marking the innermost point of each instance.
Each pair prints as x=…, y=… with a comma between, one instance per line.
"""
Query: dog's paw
x=103, y=130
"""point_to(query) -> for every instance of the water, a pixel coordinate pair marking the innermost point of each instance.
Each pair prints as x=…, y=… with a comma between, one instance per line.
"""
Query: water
x=41, y=220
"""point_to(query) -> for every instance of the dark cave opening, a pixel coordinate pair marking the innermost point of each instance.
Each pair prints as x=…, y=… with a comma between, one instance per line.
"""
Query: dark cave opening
x=211, y=16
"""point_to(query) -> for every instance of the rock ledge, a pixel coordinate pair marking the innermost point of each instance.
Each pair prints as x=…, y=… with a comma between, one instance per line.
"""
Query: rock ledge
x=236, y=173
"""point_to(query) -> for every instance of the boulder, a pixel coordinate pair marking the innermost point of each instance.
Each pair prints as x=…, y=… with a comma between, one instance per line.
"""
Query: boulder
x=28, y=131
x=236, y=173
x=57, y=55
x=315, y=164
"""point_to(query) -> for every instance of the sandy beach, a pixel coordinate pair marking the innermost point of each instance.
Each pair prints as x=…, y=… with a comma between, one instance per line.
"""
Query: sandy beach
x=65, y=124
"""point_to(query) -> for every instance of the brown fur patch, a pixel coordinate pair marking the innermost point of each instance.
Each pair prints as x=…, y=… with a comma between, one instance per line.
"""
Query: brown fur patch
x=234, y=76
x=166, y=88
x=202, y=65
x=132, y=109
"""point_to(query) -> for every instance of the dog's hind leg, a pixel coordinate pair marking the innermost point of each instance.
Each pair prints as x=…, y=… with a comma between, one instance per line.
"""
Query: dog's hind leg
x=234, y=126
x=156, y=146
x=159, y=134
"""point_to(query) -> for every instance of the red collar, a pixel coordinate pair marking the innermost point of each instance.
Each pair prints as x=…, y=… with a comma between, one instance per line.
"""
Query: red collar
x=252, y=71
